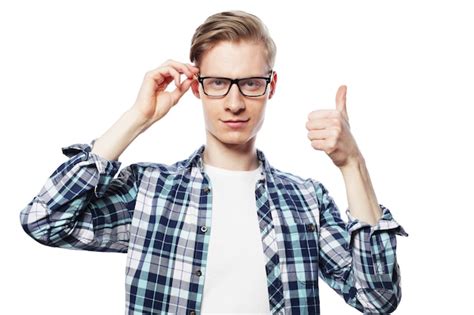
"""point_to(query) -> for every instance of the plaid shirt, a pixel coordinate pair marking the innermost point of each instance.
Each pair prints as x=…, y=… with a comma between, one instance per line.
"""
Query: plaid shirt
x=160, y=215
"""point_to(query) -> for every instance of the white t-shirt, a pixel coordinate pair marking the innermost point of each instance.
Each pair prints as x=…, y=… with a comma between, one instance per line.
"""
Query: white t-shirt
x=235, y=280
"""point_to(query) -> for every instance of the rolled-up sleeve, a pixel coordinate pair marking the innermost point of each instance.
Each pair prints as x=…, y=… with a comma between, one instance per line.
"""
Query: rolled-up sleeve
x=82, y=205
x=359, y=260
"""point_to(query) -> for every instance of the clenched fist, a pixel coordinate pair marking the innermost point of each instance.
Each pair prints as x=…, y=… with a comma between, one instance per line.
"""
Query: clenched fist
x=329, y=131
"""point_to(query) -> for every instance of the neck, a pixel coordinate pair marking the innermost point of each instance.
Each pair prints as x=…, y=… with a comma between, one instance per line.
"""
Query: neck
x=236, y=157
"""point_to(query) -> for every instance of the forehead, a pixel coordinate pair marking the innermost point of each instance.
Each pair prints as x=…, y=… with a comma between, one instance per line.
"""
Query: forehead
x=234, y=59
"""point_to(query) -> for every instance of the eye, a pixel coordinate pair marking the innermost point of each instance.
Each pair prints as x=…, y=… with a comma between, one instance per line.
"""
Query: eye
x=216, y=82
x=253, y=83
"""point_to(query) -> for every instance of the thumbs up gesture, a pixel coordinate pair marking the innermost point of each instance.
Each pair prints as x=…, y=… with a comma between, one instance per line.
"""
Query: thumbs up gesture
x=329, y=131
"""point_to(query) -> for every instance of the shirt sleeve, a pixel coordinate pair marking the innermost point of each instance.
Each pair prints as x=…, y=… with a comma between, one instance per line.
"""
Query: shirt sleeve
x=358, y=260
x=82, y=205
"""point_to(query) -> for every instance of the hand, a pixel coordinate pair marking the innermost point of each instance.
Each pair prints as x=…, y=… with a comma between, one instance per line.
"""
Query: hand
x=153, y=102
x=329, y=131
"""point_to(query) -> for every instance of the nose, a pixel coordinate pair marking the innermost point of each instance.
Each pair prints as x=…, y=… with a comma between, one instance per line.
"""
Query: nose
x=235, y=100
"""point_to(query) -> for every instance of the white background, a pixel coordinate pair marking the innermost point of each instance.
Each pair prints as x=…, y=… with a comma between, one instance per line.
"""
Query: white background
x=68, y=70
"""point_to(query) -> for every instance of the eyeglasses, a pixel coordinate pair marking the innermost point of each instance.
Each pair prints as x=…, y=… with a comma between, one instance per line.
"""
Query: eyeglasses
x=220, y=87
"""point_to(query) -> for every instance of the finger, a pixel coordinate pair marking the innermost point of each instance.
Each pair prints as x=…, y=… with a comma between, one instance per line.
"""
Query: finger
x=164, y=84
x=341, y=101
x=159, y=73
x=323, y=134
x=150, y=82
x=323, y=113
x=168, y=74
x=321, y=123
x=180, y=91
x=177, y=77
x=193, y=68
x=181, y=67
x=321, y=145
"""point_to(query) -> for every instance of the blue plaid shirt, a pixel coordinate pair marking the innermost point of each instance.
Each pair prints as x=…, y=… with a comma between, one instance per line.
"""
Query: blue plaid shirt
x=160, y=215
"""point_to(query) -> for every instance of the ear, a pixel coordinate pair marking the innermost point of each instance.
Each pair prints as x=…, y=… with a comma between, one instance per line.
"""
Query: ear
x=195, y=88
x=273, y=84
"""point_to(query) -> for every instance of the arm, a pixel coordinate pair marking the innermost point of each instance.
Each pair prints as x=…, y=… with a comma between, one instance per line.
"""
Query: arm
x=82, y=206
x=360, y=192
x=358, y=260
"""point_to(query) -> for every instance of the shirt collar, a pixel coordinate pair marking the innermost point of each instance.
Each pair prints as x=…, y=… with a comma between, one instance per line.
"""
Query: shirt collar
x=195, y=159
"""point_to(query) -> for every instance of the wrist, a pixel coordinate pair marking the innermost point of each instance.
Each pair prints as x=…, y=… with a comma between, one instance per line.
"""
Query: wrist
x=136, y=120
x=353, y=164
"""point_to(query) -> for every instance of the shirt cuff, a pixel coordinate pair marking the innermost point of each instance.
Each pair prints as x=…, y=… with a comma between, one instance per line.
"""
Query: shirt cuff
x=385, y=223
x=82, y=155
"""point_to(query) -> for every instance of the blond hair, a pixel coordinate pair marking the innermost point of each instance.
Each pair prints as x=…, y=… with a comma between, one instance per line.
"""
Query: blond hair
x=233, y=26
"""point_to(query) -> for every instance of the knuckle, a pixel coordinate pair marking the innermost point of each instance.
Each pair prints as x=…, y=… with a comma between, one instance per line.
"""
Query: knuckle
x=148, y=75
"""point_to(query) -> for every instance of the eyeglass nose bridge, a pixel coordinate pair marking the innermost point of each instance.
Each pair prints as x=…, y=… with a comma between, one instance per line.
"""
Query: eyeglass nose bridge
x=236, y=81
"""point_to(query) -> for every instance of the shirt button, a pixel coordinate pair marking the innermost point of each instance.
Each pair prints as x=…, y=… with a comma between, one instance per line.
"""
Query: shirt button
x=207, y=189
x=203, y=228
x=310, y=227
x=192, y=313
x=379, y=267
x=198, y=273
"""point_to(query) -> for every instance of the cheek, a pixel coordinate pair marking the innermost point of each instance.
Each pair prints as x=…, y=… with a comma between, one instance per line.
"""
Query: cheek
x=210, y=116
x=258, y=118
x=261, y=113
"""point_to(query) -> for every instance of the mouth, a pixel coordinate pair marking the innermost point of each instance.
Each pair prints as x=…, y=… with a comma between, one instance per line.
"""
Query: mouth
x=236, y=120
x=238, y=123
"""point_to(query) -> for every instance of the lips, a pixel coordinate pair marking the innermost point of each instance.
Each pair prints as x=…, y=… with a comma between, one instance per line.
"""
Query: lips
x=235, y=121
x=235, y=124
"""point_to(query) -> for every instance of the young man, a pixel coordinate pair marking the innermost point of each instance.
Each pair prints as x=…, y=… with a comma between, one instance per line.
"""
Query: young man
x=223, y=230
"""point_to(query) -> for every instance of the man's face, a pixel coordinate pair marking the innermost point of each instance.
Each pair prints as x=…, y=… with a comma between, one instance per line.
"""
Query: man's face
x=235, y=61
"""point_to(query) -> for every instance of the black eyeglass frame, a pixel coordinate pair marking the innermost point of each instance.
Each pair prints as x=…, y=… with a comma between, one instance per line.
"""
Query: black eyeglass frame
x=236, y=81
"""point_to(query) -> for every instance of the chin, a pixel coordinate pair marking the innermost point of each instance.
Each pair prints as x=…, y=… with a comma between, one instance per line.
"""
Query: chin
x=231, y=137
x=234, y=140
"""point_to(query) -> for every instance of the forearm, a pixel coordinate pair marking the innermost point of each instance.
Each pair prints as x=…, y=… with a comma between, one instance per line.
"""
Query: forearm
x=81, y=205
x=118, y=137
x=357, y=260
x=361, y=198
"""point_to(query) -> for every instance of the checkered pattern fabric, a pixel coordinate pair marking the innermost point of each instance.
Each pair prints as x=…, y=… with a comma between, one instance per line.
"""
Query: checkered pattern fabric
x=160, y=215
